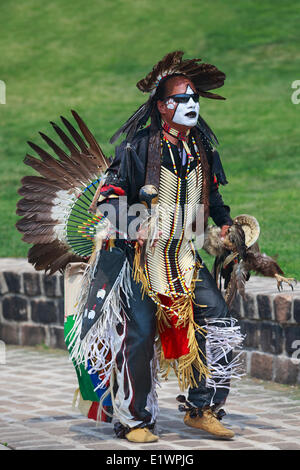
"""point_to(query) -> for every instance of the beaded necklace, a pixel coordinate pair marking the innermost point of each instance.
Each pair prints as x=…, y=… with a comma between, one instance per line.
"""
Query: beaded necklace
x=189, y=155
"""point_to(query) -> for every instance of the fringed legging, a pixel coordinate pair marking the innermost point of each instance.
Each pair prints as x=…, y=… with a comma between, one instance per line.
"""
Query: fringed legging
x=217, y=344
x=135, y=402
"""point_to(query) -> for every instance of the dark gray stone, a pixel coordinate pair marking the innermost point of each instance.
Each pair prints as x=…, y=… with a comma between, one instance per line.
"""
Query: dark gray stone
x=50, y=283
x=297, y=310
x=15, y=308
x=13, y=281
x=31, y=283
x=44, y=311
x=249, y=306
x=57, y=339
x=251, y=330
x=61, y=284
x=61, y=311
x=264, y=307
x=292, y=340
x=271, y=338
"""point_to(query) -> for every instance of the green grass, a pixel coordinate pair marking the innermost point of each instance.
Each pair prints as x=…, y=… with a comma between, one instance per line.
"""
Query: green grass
x=88, y=56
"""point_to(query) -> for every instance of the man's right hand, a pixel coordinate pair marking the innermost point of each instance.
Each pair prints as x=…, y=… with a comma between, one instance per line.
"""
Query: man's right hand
x=142, y=236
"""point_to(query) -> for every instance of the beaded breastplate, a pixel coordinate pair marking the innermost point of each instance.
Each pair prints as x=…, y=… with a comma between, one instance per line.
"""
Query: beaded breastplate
x=170, y=266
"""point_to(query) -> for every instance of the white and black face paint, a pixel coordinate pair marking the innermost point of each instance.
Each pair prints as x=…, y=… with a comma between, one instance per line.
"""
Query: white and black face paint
x=187, y=114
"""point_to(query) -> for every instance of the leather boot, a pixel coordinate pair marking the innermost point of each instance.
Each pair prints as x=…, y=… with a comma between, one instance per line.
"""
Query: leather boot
x=141, y=435
x=208, y=422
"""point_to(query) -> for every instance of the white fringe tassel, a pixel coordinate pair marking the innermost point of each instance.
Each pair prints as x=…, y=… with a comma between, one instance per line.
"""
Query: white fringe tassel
x=222, y=338
x=96, y=345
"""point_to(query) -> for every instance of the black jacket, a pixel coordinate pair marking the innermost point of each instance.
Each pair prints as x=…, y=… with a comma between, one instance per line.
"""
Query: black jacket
x=128, y=170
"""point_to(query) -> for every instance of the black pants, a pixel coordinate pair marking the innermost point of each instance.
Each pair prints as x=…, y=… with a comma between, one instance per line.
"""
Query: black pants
x=207, y=293
x=137, y=349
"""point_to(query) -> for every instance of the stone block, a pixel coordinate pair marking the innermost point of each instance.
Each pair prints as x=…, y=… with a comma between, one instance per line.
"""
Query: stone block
x=262, y=366
x=249, y=306
x=50, y=285
x=286, y=372
x=264, y=307
x=61, y=284
x=61, y=311
x=9, y=333
x=44, y=311
x=292, y=340
x=15, y=308
x=3, y=285
x=271, y=337
x=32, y=335
x=252, y=334
x=297, y=310
x=31, y=282
x=282, y=308
x=57, y=337
x=13, y=282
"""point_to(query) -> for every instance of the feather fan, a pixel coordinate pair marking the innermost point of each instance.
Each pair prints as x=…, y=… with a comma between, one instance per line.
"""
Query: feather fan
x=55, y=204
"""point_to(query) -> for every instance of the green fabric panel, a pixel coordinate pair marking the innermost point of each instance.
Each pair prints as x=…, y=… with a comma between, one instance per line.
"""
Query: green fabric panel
x=84, y=380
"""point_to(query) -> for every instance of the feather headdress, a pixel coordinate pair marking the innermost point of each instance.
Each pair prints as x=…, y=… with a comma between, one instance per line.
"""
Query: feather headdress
x=55, y=205
x=204, y=76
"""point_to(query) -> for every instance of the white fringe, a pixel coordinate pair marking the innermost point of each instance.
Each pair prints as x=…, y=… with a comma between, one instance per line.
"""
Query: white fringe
x=222, y=338
x=96, y=345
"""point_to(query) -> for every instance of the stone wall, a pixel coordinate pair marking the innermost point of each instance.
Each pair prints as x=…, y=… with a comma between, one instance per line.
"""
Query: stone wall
x=31, y=307
x=32, y=312
x=270, y=321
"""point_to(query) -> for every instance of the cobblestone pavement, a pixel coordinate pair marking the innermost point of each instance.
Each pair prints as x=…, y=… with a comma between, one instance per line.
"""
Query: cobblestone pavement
x=36, y=393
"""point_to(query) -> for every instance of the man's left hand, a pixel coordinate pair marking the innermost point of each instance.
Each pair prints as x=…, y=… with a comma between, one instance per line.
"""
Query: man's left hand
x=224, y=230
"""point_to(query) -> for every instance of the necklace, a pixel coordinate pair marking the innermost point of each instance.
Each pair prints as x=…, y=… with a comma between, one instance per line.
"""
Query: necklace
x=183, y=136
x=188, y=152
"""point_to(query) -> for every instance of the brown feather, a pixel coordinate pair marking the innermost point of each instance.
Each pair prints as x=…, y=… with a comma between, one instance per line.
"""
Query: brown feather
x=34, y=183
x=44, y=170
x=68, y=143
x=46, y=238
x=51, y=257
x=59, y=152
x=94, y=146
x=75, y=135
x=34, y=206
x=37, y=193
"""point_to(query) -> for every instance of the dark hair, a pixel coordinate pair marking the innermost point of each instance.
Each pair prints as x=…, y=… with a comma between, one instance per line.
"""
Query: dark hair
x=159, y=95
x=161, y=89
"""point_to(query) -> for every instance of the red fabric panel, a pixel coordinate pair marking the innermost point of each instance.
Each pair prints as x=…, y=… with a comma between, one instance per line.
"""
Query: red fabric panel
x=92, y=414
x=174, y=341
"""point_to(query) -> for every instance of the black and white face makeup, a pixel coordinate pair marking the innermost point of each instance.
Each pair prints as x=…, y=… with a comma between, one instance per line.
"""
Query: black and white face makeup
x=186, y=114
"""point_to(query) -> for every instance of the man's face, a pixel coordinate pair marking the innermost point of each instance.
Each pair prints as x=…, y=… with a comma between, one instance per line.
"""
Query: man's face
x=182, y=115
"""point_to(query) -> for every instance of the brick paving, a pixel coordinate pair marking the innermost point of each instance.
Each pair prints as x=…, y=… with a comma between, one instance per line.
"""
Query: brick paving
x=36, y=393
